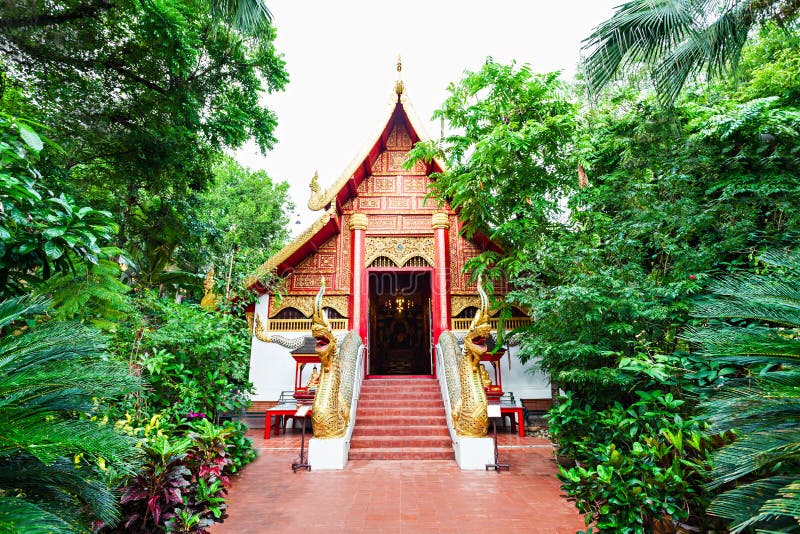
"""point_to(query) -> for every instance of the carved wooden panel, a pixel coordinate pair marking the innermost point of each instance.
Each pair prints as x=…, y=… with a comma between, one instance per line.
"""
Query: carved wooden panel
x=383, y=184
x=400, y=249
x=459, y=303
x=399, y=203
x=305, y=304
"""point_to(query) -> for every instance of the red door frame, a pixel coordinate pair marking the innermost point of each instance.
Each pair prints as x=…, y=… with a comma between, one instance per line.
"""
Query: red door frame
x=365, y=298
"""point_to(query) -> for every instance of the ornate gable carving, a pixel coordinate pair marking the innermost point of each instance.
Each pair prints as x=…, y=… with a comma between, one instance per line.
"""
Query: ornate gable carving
x=400, y=249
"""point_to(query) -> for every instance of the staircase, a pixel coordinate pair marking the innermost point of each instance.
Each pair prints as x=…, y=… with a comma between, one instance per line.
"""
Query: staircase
x=401, y=419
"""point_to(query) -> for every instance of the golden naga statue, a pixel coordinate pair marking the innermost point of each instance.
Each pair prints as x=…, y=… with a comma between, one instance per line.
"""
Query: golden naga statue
x=330, y=414
x=469, y=413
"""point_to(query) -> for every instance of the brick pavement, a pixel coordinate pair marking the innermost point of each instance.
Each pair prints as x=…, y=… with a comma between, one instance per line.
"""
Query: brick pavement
x=400, y=496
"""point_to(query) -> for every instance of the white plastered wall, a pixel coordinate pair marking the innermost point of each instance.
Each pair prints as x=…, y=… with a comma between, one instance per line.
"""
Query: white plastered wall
x=524, y=380
x=272, y=367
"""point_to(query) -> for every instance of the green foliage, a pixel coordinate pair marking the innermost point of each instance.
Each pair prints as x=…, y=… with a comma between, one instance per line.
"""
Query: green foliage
x=756, y=325
x=54, y=443
x=508, y=158
x=194, y=360
x=640, y=463
x=39, y=235
x=144, y=97
x=240, y=447
x=674, y=40
x=92, y=293
x=243, y=221
x=150, y=496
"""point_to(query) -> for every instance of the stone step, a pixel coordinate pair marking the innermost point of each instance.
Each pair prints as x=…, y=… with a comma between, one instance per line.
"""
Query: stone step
x=398, y=392
x=405, y=384
x=392, y=403
x=379, y=430
x=394, y=442
x=392, y=421
x=432, y=393
x=407, y=411
x=403, y=453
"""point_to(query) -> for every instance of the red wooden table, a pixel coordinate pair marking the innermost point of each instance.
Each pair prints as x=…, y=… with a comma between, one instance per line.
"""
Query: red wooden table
x=282, y=411
x=517, y=411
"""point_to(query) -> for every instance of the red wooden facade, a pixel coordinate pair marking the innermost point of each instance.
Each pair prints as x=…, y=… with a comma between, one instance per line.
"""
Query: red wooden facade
x=376, y=222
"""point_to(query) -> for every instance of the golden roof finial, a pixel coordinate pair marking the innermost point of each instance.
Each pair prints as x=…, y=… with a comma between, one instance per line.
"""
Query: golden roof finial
x=398, y=86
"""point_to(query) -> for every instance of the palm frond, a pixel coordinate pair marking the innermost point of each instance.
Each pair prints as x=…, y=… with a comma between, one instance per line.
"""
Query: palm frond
x=18, y=516
x=639, y=31
x=744, y=505
x=13, y=309
x=754, y=451
x=747, y=345
x=52, y=379
x=248, y=16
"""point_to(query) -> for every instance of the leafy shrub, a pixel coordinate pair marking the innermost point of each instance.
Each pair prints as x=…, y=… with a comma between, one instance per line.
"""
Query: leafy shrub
x=150, y=497
x=636, y=463
x=240, y=449
x=194, y=360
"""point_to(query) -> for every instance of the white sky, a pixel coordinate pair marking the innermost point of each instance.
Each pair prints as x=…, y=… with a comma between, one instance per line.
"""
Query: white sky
x=341, y=59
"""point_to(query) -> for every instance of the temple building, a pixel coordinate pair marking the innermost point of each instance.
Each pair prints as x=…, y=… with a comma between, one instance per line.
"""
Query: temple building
x=392, y=263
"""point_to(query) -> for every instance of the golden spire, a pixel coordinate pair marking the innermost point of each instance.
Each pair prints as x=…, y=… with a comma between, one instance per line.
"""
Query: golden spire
x=398, y=86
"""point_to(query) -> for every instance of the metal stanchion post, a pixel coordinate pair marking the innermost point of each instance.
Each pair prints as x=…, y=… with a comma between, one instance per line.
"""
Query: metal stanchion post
x=302, y=462
x=494, y=414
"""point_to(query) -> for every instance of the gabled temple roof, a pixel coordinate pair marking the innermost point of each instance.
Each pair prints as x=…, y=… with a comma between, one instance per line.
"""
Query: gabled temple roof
x=345, y=187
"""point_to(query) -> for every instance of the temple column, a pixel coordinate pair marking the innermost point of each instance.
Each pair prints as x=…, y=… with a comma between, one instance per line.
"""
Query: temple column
x=440, y=292
x=359, y=288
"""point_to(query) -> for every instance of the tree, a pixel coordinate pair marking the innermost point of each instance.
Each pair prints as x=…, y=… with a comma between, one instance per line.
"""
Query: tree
x=509, y=158
x=676, y=39
x=242, y=222
x=143, y=97
x=53, y=448
x=756, y=325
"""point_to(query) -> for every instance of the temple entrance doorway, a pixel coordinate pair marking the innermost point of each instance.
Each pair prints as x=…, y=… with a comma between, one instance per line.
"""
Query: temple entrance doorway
x=399, y=334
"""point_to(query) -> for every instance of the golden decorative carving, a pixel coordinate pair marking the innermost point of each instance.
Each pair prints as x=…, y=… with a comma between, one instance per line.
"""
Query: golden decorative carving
x=330, y=415
x=305, y=304
x=459, y=303
x=262, y=332
x=209, y=300
x=250, y=316
x=358, y=221
x=317, y=200
x=470, y=418
x=399, y=249
x=398, y=86
x=440, y=220
x=284, y=253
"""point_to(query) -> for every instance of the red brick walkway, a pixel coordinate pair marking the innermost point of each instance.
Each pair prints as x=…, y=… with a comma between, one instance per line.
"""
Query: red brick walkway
x=400, y=496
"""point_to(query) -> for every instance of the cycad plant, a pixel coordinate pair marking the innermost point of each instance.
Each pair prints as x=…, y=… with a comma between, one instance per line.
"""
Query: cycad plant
x=758, y=329
x=53, y=380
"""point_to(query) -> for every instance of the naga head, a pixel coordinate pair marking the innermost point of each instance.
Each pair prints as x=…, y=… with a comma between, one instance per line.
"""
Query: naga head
x=321, y=330
x=475, y=340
